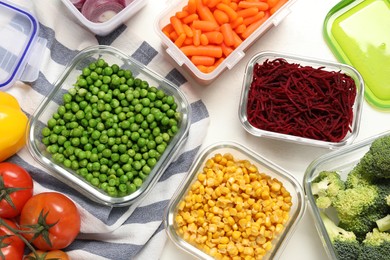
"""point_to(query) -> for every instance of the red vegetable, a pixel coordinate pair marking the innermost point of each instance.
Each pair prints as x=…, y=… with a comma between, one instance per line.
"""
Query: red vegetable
x=300, y=100
x=99, y=11
x=16, y=187
x=77, y=3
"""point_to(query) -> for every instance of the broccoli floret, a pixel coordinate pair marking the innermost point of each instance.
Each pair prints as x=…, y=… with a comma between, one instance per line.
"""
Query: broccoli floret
x=383, y=223
x=356, y=177
x=375, y=246
x=387, y=198
x=325, y=187
x=344, y=242
x=376, y=162
x=360, y=225
x=353, y=202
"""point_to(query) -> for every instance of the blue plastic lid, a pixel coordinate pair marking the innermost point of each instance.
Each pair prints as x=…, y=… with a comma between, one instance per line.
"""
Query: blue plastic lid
x=19, y=44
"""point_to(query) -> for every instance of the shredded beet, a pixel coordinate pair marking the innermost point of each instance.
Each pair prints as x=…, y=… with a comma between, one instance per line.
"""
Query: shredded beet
x=303, y=101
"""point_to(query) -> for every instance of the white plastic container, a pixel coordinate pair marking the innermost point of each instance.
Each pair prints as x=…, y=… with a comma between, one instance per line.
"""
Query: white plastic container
x=183, y=61
x=20, y=46
x=105, y=28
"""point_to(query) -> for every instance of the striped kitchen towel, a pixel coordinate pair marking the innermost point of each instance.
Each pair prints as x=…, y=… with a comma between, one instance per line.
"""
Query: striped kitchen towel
x=133, y=232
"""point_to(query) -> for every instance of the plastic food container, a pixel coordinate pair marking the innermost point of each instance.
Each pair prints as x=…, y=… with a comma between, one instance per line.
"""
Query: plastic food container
x=105, y=28
x=263, y=165
x=342, y=161
x=357, y=34
x=50, y=104
x=232, y=59
x=20, y=47
x=304, y=61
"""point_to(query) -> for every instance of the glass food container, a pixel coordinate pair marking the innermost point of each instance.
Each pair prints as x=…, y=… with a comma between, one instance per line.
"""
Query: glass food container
x=304, y=61
x=263, y=165
x=66, y=81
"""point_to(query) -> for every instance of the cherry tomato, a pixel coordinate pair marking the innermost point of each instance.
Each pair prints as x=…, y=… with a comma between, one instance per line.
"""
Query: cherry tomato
x=54, y=254
x=16, y=187
x=56, y=218
x=11, y=246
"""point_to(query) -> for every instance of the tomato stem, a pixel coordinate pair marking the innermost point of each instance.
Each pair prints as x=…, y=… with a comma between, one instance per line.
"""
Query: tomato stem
x=17, y=233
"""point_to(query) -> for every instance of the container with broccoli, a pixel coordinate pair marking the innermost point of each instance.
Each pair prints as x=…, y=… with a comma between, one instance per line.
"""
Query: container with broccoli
x=352, y=199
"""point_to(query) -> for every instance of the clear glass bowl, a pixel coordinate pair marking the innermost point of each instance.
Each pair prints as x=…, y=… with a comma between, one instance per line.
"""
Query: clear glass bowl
x=305, y=61
x=50, y=104
x=343, y=161
x=239, y=152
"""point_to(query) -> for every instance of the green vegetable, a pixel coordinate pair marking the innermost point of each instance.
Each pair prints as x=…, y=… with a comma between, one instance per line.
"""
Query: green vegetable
x=325, y=188
x=376, y=162
x=112, y=128
x=344, y=242
x=376, y=246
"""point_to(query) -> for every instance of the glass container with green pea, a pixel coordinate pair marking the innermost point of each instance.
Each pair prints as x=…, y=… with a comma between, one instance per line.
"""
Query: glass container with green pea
x=110, y=127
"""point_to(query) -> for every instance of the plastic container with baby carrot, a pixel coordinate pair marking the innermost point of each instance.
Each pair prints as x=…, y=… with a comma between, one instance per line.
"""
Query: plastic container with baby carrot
x=206, y=37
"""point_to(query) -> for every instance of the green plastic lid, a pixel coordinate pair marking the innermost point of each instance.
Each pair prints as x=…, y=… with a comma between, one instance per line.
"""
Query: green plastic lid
x=358, y=33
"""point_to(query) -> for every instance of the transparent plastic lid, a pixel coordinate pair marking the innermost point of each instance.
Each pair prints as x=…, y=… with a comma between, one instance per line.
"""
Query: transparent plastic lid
x=357, y=32
x=20, y=48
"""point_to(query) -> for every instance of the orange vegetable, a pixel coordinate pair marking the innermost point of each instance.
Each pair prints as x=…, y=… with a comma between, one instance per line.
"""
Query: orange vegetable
x=203, y=60
x=261, y=6
x=190, y=18
x=221, y=16
x=210, y=50
x=228, y=10
x=204, y=40
x=252, y=27
x=214, y=37
x=177, y=25
x=250, y=20
x=227, y=33
x=180, y=40
x=207, y=30
x=247, y=12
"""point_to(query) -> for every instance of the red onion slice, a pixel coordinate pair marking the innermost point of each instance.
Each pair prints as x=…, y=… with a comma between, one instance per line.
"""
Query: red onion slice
x=99, y=11
x=125, y=2
x=77, y=3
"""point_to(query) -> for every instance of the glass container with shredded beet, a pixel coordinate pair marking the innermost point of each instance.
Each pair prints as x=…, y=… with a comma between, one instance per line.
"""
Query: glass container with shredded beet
x=302, y=100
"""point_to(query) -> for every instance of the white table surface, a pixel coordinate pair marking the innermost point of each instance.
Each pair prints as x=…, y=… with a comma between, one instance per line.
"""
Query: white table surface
x=299, y=33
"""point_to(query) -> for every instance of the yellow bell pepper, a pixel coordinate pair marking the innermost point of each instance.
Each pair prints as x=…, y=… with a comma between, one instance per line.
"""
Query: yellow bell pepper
x=13, y=123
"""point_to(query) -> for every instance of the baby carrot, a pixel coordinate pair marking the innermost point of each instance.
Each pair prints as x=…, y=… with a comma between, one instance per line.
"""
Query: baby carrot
x=227, y=33
x=240, y=29
x=173, y=36
x=219, y=61
x=203, y=60
x=180, y=40
x=190, y=18
x=204, y=40
x=204, y=25
x=167, y=29
x=247, y=12
x=237, y=39
x=220, y=16
x=181, y=14
x=210, y=50
x=191, y=6
x=188, y=41
x=211, y=3
x=228, y=10
x=188, y=31
x=272, y=3
x=226, y=50
x=196, y=37
x=261, y=6
x=177, y=25
x=233, y=5
x=276, y=7
x=214, y=37
x=236, y=22
x=252, y=27
x=252, y=19
x=204, y=12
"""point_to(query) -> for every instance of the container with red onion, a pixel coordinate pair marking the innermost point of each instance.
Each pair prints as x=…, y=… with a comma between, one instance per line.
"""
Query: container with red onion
x=301, y=100
x=103, y=16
